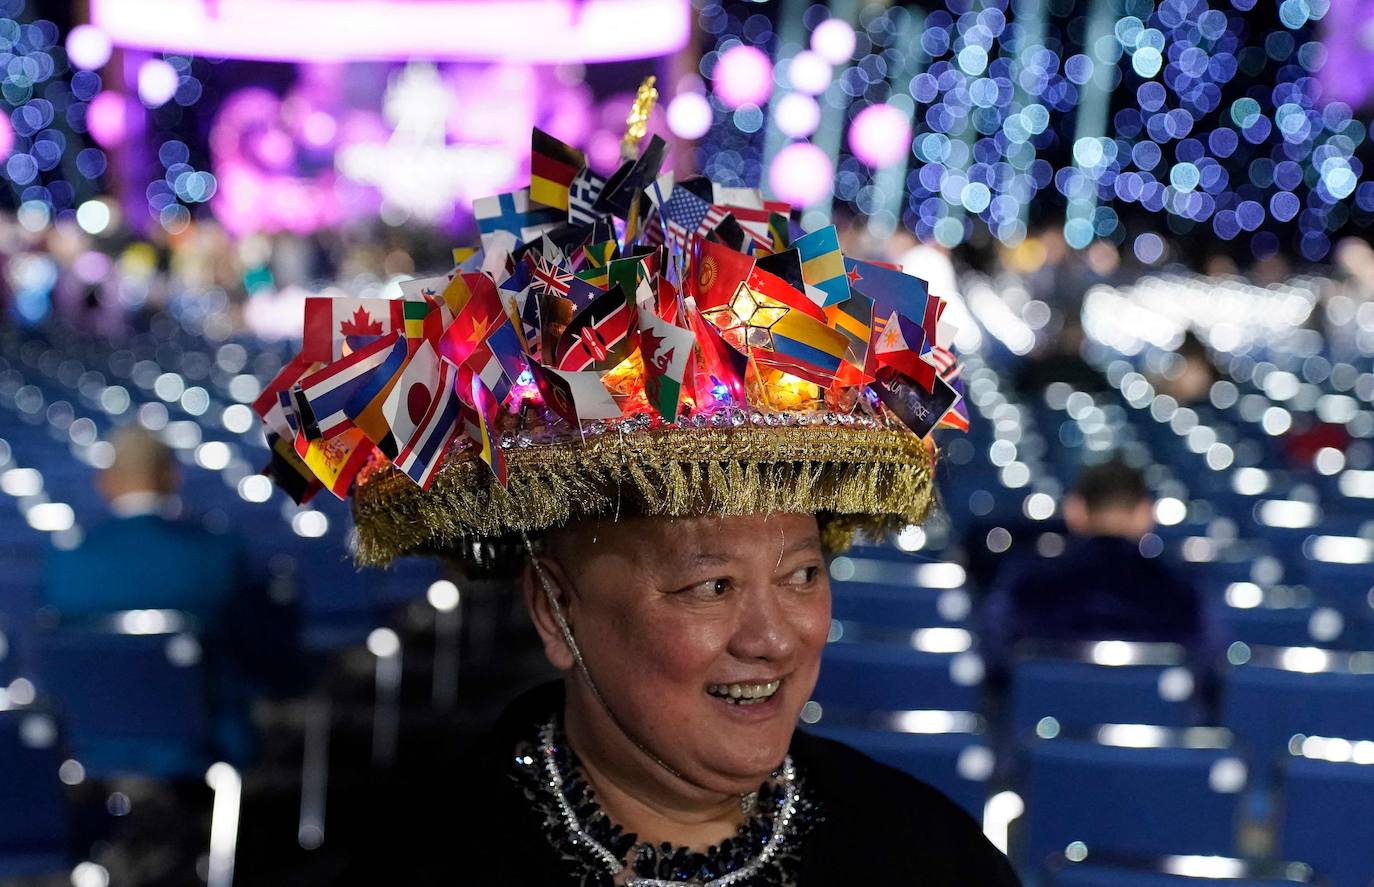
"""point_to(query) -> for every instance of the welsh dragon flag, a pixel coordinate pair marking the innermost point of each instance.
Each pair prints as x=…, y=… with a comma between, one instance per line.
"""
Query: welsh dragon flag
x=665, y=349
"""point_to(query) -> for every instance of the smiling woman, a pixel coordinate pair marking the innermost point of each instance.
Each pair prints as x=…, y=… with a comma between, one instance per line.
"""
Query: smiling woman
x=665, y=506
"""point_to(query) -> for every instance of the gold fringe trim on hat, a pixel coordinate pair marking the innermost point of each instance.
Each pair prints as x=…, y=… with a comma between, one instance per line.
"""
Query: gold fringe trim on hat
x=860, y=479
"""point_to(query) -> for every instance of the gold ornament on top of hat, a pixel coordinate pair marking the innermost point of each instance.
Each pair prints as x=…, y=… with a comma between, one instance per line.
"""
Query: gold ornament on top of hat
x=637, y=123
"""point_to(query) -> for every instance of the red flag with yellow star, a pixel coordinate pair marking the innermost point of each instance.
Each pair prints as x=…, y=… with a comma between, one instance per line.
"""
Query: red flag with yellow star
x=482, y=313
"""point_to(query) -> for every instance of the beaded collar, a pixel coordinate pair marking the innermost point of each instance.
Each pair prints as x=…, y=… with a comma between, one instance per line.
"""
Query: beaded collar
x=762, y=853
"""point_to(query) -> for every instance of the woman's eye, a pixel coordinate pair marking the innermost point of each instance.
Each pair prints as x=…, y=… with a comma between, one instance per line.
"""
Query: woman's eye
x=711, y=588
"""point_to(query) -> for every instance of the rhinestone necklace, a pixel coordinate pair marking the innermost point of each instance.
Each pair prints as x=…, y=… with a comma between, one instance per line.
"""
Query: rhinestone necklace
x=782, y=822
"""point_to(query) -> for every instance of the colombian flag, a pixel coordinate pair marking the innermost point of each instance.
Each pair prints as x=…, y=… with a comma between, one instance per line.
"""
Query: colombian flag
x=804, y=347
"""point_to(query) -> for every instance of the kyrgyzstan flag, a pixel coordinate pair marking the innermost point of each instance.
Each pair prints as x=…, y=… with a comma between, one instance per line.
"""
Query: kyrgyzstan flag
x=553, y=166
x=717, y=272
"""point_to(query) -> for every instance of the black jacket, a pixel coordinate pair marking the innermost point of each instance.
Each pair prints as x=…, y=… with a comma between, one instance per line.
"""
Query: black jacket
x=877, y=825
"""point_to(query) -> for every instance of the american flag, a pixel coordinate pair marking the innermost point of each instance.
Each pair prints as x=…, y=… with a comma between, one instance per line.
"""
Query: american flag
x=685, y=214
x=944, y=361
x=582, y=193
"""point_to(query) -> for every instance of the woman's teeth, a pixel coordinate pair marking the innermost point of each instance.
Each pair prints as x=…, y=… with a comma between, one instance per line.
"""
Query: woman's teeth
x=744, y=694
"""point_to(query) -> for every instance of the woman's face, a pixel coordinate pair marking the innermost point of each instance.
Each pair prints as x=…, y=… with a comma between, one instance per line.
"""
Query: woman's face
x=705, y=634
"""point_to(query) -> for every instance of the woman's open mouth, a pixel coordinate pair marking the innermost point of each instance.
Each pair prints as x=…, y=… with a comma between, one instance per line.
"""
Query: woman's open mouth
x=745, y=694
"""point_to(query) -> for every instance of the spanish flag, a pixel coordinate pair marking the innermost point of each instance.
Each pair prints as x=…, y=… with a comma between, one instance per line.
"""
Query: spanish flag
x=553, y=165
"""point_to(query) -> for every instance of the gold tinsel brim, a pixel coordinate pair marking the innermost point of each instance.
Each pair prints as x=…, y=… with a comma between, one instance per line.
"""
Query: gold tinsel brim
x=860, y=478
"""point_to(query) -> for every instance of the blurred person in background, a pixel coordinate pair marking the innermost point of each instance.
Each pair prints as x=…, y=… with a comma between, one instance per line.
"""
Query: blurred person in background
x=1190, y=374
x=1102, y=586
x=1060, y=359
x=145, y=557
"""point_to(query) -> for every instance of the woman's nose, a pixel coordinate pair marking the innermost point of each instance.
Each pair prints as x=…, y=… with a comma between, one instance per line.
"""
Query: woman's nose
x=764, y=630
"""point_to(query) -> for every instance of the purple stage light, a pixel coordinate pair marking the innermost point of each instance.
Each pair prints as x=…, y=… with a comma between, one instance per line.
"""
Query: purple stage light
x=336, y=30
x=107, y=119
x=742, y=75
x=689, y=115
x=88, y=47
x=157, y=82
x=834, y=41
x=880, y=135
x=801, y=174
x=6, y=136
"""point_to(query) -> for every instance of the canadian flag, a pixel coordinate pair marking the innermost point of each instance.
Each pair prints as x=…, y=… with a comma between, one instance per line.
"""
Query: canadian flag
x=336, y=327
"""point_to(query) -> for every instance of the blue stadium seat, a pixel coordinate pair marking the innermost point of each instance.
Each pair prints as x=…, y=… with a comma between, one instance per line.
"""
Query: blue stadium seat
x=1091, y=875
x=1147, y=801
x=887, y=678
x=1282, y=692
x=33, y=818
x=1328, y=809
x=903, y=608
x=1085, y=694
x=130, y=703
x=958, y=764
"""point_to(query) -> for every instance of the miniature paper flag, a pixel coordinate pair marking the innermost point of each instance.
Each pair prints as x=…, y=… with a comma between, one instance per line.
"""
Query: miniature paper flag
x=499, y=360
x=553, y=166
x=287, y=470
x=717, y=272
x=331, y=391
x=890, y=290
x=599, y=336
x=482, y=314
x=336, y=462
x=585, y=188
x=576, y=396
x=423, y=410
x=268, y=404
x=483, y=411
x=666, y=350
x=899, y=346
x=823, y=265
x=336, y=327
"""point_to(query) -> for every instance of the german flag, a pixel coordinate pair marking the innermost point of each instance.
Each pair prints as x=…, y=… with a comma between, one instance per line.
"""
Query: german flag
x=553, y=165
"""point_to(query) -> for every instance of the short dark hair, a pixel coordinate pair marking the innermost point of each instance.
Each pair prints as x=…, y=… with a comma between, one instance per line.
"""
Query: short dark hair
x=1111, y=484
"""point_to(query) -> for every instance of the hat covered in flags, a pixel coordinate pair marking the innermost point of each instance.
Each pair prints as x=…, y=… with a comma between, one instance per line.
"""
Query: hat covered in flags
x=619, y=344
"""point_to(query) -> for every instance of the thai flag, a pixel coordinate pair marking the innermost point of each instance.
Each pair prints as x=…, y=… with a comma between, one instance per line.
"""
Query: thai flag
x=423, y=454
x=329, y=391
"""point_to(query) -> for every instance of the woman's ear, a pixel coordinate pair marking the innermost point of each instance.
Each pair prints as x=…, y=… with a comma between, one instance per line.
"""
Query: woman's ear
x=541, y=608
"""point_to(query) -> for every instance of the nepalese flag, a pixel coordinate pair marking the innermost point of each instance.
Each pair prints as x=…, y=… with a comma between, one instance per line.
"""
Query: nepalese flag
x=890, y=289
x=553, y=166
x=583, y=191
x=919, y=410
x=576, y=396
x=337, y=327
x=483, y=312
x=513, y=214
x=823, y=266
x=337, y=461
x=716, y=274
x=422, y=411
x=331, y=390
x=804, y=347
x=479, y=423
x=899, y=346
x=288, y=471
x=499, y=361
x=666, y=350
x=599, y=336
